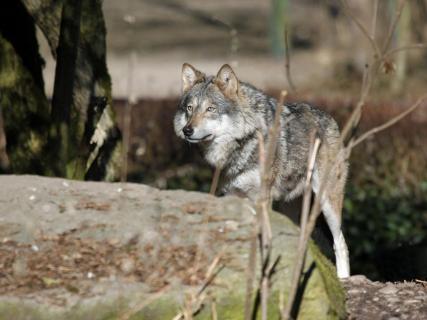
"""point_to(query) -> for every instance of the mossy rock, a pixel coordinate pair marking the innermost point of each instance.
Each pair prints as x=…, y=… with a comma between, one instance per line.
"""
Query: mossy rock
x=174, y=236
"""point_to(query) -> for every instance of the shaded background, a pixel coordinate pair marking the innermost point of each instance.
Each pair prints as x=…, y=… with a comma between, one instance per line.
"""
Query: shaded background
x=385, y=211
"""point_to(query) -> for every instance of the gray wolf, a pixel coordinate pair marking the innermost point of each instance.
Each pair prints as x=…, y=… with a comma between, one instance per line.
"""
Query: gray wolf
x=223, y=115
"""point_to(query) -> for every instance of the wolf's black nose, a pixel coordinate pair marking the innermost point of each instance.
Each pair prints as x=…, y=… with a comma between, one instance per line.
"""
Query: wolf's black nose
x=188, y=131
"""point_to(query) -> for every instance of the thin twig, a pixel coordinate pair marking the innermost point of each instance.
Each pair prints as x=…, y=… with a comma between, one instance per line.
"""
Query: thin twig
x=147, y=301
x=251, y=273
x=408, y=47
x=211, y=274
x=389, y=123
x=214, y=313
x=215, y=180
x=127, y=117
x=393, y=26
x=288, y=61
x=263, y=202
x=307, y=188
x=361, y=27
x=264, y=227
x=355, y=116
x=369, y=73
x=374, y=20
x=266, y=159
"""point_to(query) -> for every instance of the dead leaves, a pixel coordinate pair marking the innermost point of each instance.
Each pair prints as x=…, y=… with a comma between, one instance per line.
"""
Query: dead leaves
x=67, y=261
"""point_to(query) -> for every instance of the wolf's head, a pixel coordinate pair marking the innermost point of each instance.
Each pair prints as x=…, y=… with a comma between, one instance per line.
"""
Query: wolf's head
x=210, y=107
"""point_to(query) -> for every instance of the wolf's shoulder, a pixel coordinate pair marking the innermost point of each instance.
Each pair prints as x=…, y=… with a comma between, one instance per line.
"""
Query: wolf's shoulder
x=304, y=109
x=307, y=115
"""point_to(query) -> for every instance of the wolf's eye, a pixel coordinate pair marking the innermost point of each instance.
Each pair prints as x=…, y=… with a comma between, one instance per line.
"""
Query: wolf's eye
x=211, y=109
x=189, y=108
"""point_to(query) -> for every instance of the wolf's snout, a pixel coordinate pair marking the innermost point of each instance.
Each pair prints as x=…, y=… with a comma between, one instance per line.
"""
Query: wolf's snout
x=188, y=131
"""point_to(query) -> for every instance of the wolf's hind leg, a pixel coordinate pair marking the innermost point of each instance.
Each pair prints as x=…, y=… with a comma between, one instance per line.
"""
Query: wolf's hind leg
x=332, y=211
x=331, y=207
x=331, y=204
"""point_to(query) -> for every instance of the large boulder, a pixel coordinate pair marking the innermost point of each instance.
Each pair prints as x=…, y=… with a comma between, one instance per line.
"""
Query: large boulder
x=92, y=250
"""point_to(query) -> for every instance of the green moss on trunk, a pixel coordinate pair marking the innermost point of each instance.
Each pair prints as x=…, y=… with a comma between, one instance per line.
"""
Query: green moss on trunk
x=25, y=112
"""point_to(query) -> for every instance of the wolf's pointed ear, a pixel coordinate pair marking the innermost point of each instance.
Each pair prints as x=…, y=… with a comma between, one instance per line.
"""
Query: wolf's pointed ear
x=227, y=81
x=190, y=76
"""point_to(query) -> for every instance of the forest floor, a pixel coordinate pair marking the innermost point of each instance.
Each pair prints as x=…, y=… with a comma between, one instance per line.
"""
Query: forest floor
x=376, y=300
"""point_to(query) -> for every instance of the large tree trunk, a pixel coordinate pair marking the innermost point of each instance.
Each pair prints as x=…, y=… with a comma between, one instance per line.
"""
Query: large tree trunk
x=77, y=137
x=24, y=105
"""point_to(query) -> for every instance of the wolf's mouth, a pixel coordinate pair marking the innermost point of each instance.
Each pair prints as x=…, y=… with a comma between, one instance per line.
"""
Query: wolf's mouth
x=198, y=140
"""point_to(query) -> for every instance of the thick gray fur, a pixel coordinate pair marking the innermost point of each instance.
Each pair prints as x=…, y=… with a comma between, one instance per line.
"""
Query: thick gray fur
x=225, y=115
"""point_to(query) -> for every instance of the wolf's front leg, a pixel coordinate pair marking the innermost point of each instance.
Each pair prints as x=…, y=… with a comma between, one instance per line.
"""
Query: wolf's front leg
x=246, y=184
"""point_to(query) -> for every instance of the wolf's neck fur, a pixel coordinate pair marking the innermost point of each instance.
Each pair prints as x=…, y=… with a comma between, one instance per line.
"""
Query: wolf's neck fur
x=255, y=112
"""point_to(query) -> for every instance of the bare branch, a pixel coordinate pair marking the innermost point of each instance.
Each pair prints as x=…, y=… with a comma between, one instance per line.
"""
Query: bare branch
x=304, y=232
x=374, y=19
x=355, y=116
x=307, y=187
x=288, y=61
x=389, y=123
x=266, y=160
x=147, y=301
x=215, y=179
x=368, y=73
x=393, y=26
x=214, y=313
x=127, y=117
x=200, y=296
x=361, y=27
x=408, y=47
x=275, y=132
x=371, y=70
x=211, y=273
x=264, y=222
x=251, y=272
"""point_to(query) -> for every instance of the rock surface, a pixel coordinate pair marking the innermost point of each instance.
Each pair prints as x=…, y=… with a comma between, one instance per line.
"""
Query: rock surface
x=90, y=250
x=372, y=300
